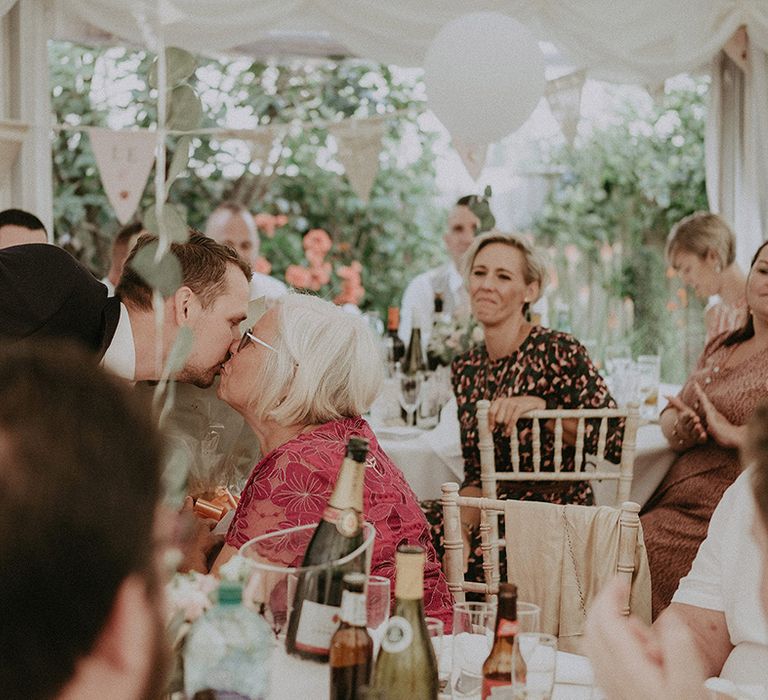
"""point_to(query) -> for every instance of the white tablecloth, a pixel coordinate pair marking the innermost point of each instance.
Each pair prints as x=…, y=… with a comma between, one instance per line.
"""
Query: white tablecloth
x=294, y=679
x=428, y=458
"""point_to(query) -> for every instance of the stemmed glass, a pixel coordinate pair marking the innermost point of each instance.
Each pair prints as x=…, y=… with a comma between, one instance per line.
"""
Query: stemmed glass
x=410, y=395
x=377, y=604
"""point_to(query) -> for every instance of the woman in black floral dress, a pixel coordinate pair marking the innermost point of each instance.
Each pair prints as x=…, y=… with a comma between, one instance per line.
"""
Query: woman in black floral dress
x=520, y=367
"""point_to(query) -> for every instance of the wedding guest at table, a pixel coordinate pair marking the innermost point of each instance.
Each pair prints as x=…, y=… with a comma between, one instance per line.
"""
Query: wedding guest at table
x=81, y=605
x=705, y=424
x=716, y=624
x=702, y=249
x=302, y=378
x=233, y=225
x=520, y=367
x=45, y=294
x=121, y=248
x=18, y=227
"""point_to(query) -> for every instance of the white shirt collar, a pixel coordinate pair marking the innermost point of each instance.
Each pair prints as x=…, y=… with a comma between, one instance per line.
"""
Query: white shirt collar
x=455, y=279
x=120, y=357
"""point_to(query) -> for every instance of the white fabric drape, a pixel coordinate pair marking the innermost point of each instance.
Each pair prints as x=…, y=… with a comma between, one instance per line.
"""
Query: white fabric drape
x=737, y=149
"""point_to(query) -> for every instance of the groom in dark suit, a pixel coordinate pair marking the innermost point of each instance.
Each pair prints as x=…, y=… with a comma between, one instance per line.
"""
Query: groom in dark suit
x=46, y=293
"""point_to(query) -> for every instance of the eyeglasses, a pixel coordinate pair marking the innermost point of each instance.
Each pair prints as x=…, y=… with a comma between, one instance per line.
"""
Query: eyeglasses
x=247, y=335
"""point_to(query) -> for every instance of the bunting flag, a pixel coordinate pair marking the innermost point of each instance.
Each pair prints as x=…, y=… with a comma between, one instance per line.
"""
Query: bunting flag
x=124, y=159
x=564, y=98
x=473, y=156
x=359, y=146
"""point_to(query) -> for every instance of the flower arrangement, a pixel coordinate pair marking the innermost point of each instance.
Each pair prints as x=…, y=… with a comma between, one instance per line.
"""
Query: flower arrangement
x=314, y=276
x=451, y=337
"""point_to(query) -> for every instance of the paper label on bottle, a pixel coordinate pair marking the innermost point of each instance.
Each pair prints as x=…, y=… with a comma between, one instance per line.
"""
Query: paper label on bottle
x=398, y=635
x=316, y=627
x=348, y=521
x=507, y=628
x=498, y=690
x=353, y=609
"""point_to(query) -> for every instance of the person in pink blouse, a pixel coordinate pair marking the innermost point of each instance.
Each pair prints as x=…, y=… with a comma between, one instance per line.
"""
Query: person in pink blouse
x=301, y=378
x=702, y=249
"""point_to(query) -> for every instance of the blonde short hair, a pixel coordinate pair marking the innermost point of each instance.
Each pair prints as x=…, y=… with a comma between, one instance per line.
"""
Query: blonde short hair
x=535, y=261
x=699, y=233
x=327, y=365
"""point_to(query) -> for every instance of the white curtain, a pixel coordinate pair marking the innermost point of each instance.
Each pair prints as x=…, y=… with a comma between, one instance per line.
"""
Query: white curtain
x=737, y=148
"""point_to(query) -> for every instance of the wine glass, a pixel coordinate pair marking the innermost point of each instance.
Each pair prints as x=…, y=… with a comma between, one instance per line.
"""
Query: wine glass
x=435, y=630
x=410, y=395
x=377, y=604
x=534, y=657
x=649, y=371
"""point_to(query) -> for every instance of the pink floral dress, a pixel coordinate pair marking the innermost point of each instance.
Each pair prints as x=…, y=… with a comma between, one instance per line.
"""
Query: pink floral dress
x=292, y=484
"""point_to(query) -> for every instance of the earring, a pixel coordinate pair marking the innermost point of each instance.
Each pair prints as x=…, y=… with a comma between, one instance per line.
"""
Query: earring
x=526, y=300
x=718, y=268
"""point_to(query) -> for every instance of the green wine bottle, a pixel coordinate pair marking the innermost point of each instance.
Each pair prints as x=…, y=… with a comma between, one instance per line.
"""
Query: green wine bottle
x=315, y=613
x=406, y=666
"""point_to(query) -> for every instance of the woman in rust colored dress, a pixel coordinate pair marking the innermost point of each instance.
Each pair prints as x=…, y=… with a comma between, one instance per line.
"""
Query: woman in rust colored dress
x=706, y=424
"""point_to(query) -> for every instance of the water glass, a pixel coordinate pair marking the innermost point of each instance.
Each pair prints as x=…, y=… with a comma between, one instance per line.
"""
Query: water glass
x=649, y=374
x=534, y=658
x=528, y=617
x=429, y=407
x=377, y=606
x=435, y=630
x=473, y=628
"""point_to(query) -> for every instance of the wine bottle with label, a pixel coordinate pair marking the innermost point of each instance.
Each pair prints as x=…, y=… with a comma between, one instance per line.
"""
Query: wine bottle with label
x=351, y=656
x=406, y=666
x=315, y=613
x=497, y=669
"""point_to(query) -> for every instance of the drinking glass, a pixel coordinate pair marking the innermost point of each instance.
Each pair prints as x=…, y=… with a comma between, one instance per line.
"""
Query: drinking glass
x=410, y=394
x=377, y=605
x=616, y=352
x=649, y=374
x=435, y=630
x=429, y=407
x=528, y=617
x=473, y=627
x=534, y=658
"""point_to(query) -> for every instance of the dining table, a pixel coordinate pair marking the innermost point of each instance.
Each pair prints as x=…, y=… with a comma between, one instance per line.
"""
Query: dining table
x=293, y=678
x=429, y=458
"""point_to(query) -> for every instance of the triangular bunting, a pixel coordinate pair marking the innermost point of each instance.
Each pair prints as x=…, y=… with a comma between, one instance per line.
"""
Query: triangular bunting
x=473, y=156
x=124, y=159
x=564, y=98
x=359, y=146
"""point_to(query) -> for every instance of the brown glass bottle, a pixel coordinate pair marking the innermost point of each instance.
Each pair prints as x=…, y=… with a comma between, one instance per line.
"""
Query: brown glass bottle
x=351, y=655
x=497, y=669
x=393, y=321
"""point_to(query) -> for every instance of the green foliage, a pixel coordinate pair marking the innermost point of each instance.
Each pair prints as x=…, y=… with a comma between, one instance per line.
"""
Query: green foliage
x=620, y=191
x=395, y=235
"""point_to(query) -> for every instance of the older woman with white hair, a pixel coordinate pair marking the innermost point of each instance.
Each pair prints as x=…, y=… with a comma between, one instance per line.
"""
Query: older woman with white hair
x=301, y=378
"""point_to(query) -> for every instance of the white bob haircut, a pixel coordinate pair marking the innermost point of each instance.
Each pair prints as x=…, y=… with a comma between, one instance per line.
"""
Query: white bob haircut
x=327, y=366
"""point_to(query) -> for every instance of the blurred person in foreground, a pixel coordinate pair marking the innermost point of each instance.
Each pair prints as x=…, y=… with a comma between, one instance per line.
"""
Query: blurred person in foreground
x=18, y=227
x=80, y=596
x=706, y=424
x=121, y=248
x=302, y=377
x=702, y=249
x=233, y=225
x=716, y=624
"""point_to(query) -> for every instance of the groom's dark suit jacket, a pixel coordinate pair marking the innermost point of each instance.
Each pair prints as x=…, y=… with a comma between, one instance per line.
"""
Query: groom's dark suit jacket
x=45, y=292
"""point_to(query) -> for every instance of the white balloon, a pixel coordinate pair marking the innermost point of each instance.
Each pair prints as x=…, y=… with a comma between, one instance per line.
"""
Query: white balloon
x=484, y=74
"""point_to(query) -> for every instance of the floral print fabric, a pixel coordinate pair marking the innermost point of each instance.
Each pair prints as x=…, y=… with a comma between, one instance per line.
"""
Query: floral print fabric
x=292, y=484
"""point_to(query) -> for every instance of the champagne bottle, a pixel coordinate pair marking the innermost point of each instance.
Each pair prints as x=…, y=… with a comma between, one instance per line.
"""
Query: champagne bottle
x=351, y=655
x=318, y=594
x=497, y=669
x=398, y=347
x=438, y=318
x=415, y=362
x=406, y=666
